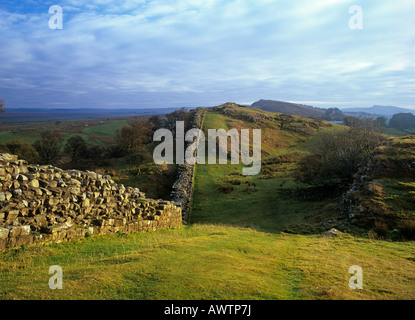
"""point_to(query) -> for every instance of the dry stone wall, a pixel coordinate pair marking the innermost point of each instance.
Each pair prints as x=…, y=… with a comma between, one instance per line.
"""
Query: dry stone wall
x=364, y=203
x=183, y=186
x=48, y=205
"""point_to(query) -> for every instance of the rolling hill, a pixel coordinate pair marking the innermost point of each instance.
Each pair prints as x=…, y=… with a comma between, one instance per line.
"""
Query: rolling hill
x=298, y=109
x=386, y=111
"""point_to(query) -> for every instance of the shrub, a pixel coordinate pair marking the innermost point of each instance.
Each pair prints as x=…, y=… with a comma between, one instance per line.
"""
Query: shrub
x=22, y=149
x=135, y=134
x=382, y=230
x=76, y=148
x=407, y=229
x=402, y=121
x=234, y=181
x=49, y=146
x=338, y=156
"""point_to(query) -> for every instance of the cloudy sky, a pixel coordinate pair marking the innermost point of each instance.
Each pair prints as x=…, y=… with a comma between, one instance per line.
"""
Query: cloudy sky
x=159, y=53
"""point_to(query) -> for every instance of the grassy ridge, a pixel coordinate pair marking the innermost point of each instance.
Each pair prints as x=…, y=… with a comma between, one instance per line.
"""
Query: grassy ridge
x=211, y=262
x=259, y=201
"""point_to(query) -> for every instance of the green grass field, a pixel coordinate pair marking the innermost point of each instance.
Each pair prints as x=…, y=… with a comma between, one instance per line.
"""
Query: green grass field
x=95, y=132
x=211, y=262
x=103, y=132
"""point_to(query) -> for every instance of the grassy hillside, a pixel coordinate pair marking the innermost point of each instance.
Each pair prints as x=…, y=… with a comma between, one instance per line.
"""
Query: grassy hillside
x=261, y=201
x=383, y=193
x=251, y=237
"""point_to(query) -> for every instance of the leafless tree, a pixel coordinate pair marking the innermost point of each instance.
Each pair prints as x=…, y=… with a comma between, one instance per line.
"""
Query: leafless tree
x=338, y=155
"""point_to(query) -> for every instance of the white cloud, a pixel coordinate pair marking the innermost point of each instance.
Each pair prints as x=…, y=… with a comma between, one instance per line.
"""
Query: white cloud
x=302, y=50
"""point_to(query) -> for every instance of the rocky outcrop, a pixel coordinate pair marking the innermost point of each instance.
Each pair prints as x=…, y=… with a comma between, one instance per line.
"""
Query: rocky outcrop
x=47, y=204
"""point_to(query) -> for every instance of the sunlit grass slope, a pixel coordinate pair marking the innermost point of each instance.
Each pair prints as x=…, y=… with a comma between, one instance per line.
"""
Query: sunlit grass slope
x=211, y=262
x=223, y=195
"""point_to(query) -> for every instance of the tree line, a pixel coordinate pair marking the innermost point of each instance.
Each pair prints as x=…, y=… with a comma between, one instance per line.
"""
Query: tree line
x=133, y=142
x=400, y=121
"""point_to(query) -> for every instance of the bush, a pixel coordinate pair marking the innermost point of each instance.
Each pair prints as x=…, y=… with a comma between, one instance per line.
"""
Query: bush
x=135, y=134
x=382, y=230
x=23, y=150
x=49, y=146
x=76, y=148
x=407, y=229
x=234, y=181
x=338, y=156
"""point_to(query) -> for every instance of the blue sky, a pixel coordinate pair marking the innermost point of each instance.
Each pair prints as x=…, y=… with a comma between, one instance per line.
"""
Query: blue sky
x=188, y=53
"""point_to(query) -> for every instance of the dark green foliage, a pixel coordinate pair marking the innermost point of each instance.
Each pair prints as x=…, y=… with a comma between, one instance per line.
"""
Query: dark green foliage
x=402, y=121
x=76, y=148
x=382, y=230
x=407, y=229
x=23, y=149
x=49, y=146
x=381, y=122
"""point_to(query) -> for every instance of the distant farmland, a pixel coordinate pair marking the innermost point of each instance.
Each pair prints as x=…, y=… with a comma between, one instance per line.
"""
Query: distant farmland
x=43, y=114
x=97, y=126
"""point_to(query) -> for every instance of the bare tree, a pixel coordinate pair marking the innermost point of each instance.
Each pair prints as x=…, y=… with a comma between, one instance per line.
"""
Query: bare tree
x=135, y=134
x=338, y=155
x=2, y=106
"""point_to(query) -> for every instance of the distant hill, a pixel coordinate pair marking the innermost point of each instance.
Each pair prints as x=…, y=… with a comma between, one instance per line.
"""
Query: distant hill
x=47, y=114
x=376, y=110
x=299, y=109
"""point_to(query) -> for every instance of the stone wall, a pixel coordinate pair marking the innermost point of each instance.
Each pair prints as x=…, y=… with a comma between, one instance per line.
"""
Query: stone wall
x=365, y=202
x=48, y=205
x=183, y=186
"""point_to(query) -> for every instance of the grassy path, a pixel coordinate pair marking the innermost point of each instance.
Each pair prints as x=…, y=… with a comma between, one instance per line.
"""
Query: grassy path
x=211, y=262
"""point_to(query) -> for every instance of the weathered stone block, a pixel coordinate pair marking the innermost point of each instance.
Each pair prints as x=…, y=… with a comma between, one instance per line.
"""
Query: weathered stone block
x=12, y=215
x=19, y=231
x=4, y=233
x=34, y=183
x=21, y=177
